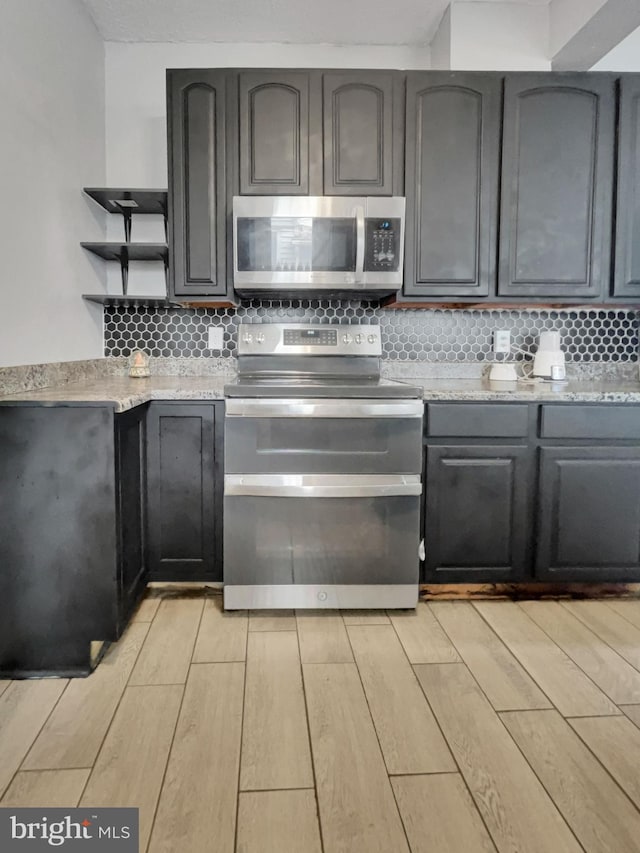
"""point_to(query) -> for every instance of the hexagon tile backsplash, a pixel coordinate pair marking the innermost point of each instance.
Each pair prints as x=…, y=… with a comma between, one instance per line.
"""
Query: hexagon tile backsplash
x=438, y=334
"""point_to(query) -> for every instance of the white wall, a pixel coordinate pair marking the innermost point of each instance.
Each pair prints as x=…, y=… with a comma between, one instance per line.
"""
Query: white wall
x=567, y=17
x=499, y=36
x=623, y=57
x=441, y=43
x=51, y=145
x=136, y=113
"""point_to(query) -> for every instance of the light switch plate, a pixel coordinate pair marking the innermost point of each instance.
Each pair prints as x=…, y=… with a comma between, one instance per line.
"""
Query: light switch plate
x=215, y=338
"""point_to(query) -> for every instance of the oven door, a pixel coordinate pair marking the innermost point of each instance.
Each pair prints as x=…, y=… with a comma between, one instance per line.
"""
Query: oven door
x=323, y=436
x=296, y=242
x=317, y=541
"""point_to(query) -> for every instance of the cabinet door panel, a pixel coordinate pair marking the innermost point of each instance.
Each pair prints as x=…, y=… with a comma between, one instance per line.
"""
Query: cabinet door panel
x=589, y=514
x=453, y=127
x=197, y=191
x=557, y=185
x=181, y=492
x=274, y=133
x=477, y=523
x=360, y=138
x=627, y=252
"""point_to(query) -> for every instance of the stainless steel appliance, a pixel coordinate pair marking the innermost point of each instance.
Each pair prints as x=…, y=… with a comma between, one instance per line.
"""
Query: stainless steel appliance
x=322, y=472
x=288, y=244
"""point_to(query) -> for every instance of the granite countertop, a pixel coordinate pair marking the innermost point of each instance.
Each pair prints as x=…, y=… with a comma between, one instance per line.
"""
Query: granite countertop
x=583, y=390
x=124, y=393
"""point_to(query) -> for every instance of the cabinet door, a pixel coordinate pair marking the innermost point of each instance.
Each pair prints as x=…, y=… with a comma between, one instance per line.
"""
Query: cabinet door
x=130, y=454
x=363, y=132
x=627, y=252
x=182, y=499
x=557, y=185
x=451, y=176
x=197, y=191
x=477, y=513
x=589, y=514
x=276, y=133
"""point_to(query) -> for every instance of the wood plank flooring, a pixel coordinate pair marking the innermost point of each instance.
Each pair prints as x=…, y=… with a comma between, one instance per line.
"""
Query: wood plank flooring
x=488, y=726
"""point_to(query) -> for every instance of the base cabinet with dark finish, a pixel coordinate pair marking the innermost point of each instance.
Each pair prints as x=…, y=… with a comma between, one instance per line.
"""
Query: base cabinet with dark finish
x=71, y=520
x=589, y=513
x=184, y=491
x=130, y=449
x=517, y=491
x=477, y=511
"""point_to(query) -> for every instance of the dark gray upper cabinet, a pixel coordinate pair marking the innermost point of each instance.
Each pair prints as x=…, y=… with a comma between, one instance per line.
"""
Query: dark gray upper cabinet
x=557, y=185
x=184, y=491
x=477, y=513
x=451, y=176
x=276, y=133
x=363, y=132
x=626, y=281
x=589, y=506
x=197, y=187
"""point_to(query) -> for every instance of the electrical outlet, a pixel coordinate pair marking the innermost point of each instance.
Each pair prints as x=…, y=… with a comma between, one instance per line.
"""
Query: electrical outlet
x=215, y=338
x=502, y=340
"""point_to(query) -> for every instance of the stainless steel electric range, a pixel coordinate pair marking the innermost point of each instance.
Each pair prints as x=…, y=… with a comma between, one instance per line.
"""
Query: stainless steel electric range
x=322, y=472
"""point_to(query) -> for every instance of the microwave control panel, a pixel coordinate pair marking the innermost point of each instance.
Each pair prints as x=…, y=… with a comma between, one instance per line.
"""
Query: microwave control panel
x=382, y=245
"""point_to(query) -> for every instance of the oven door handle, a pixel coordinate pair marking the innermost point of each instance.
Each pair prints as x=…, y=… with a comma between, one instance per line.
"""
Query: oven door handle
x=322, y=485
x=264, y=407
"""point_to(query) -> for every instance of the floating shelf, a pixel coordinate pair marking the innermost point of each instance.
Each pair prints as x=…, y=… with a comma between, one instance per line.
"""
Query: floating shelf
x=128, y=201
x=129, y=251
x=115, y=299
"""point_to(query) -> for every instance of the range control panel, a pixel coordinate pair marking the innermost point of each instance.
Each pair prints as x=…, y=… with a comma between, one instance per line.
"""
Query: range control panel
x=382, y=238
x=314, y=336
x=308, y=339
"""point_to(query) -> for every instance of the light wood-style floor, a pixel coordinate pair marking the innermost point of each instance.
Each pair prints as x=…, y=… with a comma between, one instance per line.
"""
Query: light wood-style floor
x=490, y=726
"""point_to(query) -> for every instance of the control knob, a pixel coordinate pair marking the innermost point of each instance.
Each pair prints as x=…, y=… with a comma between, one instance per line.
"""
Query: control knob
x=359, y=338
x=247, y=338
x=260, y=338
x=372, y=339
x=347, y=339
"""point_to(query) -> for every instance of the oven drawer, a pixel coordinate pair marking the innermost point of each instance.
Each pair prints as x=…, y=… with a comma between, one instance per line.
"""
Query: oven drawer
x=321, y=541
x=323, y=437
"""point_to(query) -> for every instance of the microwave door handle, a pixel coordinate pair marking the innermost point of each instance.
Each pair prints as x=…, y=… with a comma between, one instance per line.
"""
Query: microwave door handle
x=359, y=274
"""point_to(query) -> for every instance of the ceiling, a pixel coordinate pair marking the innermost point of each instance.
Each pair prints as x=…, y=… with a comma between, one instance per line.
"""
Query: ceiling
x=390, y=22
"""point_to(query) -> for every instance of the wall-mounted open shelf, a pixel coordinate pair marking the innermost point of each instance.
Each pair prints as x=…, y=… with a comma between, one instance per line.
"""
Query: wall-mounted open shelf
x=127, y=203
x=125, y=252
x=108, y=299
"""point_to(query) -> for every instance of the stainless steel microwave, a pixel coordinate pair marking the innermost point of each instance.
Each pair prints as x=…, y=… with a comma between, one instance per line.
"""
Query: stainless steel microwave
x=325, y=243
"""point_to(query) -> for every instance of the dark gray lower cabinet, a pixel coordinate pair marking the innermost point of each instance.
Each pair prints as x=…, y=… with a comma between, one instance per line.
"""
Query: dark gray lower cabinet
x=71, y=520
x=589, y=513
x=477, y=513
x=184, y=491
x=130, y=497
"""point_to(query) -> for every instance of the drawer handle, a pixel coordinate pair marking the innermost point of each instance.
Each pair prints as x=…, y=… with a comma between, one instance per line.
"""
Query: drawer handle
x=322, y=485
